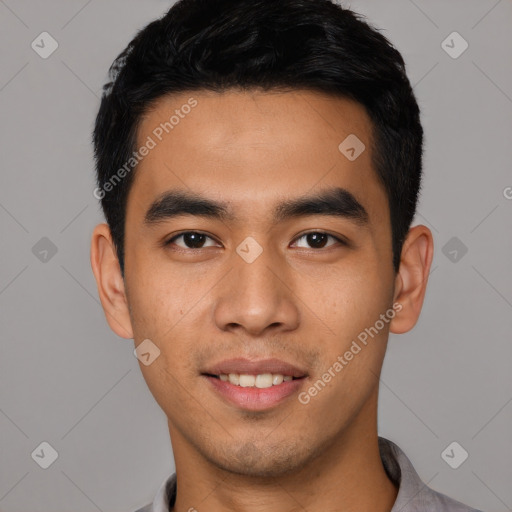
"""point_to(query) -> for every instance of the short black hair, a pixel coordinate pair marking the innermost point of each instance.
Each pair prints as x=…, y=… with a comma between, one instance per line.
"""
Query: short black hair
x=284, y=45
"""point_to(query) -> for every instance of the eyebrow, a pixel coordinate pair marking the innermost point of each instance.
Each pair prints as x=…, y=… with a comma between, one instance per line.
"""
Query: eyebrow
x=336, y=202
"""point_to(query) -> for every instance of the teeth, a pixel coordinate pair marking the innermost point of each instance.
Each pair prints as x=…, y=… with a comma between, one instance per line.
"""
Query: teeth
x=277, y=379
x=264, y=380
x=247, y=380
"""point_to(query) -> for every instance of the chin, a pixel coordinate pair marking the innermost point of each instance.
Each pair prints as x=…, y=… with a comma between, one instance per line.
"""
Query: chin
x=262, y=462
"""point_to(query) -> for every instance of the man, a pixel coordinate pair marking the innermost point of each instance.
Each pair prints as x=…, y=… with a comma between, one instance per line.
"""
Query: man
x=258, y=164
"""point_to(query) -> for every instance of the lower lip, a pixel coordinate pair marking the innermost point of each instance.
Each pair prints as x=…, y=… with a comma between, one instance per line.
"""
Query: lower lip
x=253, y=398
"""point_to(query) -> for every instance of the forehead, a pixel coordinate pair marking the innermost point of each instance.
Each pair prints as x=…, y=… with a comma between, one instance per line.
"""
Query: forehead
x=249, y=148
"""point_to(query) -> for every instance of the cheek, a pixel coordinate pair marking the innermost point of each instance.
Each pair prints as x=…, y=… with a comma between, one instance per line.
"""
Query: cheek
x=161, y=317
x=164, y=310
x=350, y=300
x=354, y=348
x=156, y=302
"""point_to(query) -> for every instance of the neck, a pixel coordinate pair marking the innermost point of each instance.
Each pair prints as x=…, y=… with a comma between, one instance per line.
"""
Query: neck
x=347, y=475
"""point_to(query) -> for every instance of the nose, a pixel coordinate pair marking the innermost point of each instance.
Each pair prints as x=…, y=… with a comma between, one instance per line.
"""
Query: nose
x=257, y=297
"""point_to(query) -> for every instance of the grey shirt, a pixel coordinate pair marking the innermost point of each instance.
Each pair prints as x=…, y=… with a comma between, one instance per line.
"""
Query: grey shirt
x=413, y=494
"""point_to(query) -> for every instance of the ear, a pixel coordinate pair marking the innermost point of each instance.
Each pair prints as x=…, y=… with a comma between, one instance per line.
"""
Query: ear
x=109, y=280
x=411, y=279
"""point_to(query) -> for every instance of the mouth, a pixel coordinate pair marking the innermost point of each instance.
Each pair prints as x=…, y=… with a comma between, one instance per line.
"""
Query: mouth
x=254, y=385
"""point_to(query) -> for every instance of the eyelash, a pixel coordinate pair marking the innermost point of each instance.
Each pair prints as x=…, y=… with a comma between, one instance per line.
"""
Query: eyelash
x=175, y=237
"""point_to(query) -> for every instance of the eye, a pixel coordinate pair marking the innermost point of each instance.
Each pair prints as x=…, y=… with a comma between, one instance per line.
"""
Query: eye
x=318, y=239
x=191, y=240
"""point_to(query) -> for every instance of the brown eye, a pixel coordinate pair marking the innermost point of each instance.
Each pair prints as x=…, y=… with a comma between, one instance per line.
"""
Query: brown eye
x=191, y=240
x=318, y=239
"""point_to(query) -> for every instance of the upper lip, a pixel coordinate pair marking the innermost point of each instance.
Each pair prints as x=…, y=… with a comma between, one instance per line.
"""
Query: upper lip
x=252, y=367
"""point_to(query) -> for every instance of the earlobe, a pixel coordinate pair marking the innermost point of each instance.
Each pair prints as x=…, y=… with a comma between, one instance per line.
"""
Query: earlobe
x=412, y=277
x=109, y=280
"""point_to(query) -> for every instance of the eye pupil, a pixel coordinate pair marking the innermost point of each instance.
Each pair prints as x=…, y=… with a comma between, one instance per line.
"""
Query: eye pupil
x=193, y=240
x=317, y=240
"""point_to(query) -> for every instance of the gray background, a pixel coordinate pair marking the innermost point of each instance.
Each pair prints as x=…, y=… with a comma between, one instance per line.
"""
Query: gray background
x=66, y=379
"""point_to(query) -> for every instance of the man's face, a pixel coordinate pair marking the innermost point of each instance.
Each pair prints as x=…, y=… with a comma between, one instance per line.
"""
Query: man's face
x=210, y=295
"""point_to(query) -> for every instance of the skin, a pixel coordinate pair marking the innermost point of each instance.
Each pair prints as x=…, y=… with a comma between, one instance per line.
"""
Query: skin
x=296, y=302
